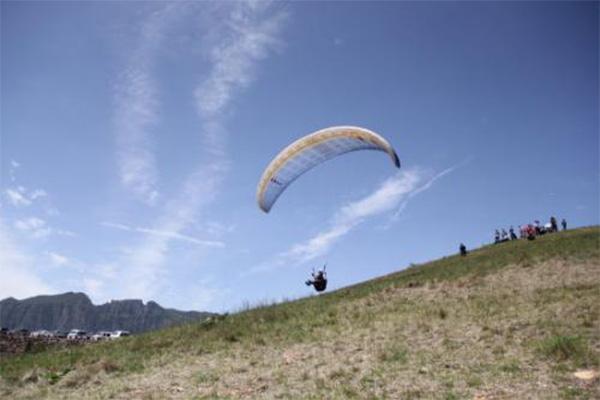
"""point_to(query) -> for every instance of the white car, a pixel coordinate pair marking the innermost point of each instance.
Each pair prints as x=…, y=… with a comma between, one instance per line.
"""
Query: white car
x=119, y=334
x=102, y=335
x=77, y=334
x=42, y=333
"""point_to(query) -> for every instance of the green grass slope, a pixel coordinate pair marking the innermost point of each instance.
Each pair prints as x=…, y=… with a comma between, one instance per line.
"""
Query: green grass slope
x=514, y=320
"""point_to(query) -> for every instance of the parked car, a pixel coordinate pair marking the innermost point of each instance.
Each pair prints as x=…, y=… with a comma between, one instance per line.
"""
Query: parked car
x=119, y=334
x=77, y=334
x=41, y=333
x=102, y=335
x=60, y=334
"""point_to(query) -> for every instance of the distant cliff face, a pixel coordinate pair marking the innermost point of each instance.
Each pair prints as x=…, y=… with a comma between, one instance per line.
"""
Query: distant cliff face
x=76, y=311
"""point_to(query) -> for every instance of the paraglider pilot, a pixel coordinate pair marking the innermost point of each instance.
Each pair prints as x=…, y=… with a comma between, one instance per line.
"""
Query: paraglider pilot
x=463, y=249
x=319, y=279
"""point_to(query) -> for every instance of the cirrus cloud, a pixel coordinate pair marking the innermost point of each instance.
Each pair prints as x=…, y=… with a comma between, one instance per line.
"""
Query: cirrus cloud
x=392, y=194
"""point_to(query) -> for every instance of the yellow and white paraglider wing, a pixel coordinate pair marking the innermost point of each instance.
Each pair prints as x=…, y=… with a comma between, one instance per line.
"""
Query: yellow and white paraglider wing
x=311, y=150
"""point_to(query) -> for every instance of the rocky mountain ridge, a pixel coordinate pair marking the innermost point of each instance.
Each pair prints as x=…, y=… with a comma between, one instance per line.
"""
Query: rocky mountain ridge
x=75, y=310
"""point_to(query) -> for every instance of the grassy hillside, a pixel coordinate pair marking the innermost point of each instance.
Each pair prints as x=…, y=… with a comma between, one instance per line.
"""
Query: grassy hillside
x=514, y=320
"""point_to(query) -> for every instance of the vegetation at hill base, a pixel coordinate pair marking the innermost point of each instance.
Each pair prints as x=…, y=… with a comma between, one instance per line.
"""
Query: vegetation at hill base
x=513, y=320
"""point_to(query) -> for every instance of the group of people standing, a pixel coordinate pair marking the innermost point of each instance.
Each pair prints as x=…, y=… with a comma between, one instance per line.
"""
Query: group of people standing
x=529, y=231
x=503, y=236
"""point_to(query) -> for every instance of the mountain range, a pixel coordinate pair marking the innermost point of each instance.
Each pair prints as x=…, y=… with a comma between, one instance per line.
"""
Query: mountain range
x=76, y=311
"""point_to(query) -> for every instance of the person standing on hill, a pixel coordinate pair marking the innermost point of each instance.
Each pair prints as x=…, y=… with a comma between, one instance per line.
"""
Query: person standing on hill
x=513, y=236
x=553, y=224
x=564, y=224
x=463, y=249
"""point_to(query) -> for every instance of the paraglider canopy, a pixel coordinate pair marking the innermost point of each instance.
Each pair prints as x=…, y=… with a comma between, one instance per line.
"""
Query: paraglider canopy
x=310, y=151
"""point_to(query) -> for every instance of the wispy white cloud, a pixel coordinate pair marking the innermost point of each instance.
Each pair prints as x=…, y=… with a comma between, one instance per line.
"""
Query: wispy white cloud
x=402, y=206
x=18, y=195
x=392, y=194
x=37, y=193
x=17, y=198
x=19, y=278
x=58, y=260
x=179, y=236
x=37, y=228
x=216, y=229
x=165, y=234
x=250, y=33
x=137, y=104
x=384, y=199
x=246, y=36
x=320, y=243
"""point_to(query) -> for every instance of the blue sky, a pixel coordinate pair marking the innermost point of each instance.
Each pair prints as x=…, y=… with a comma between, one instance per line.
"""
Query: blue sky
x=133, y=136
